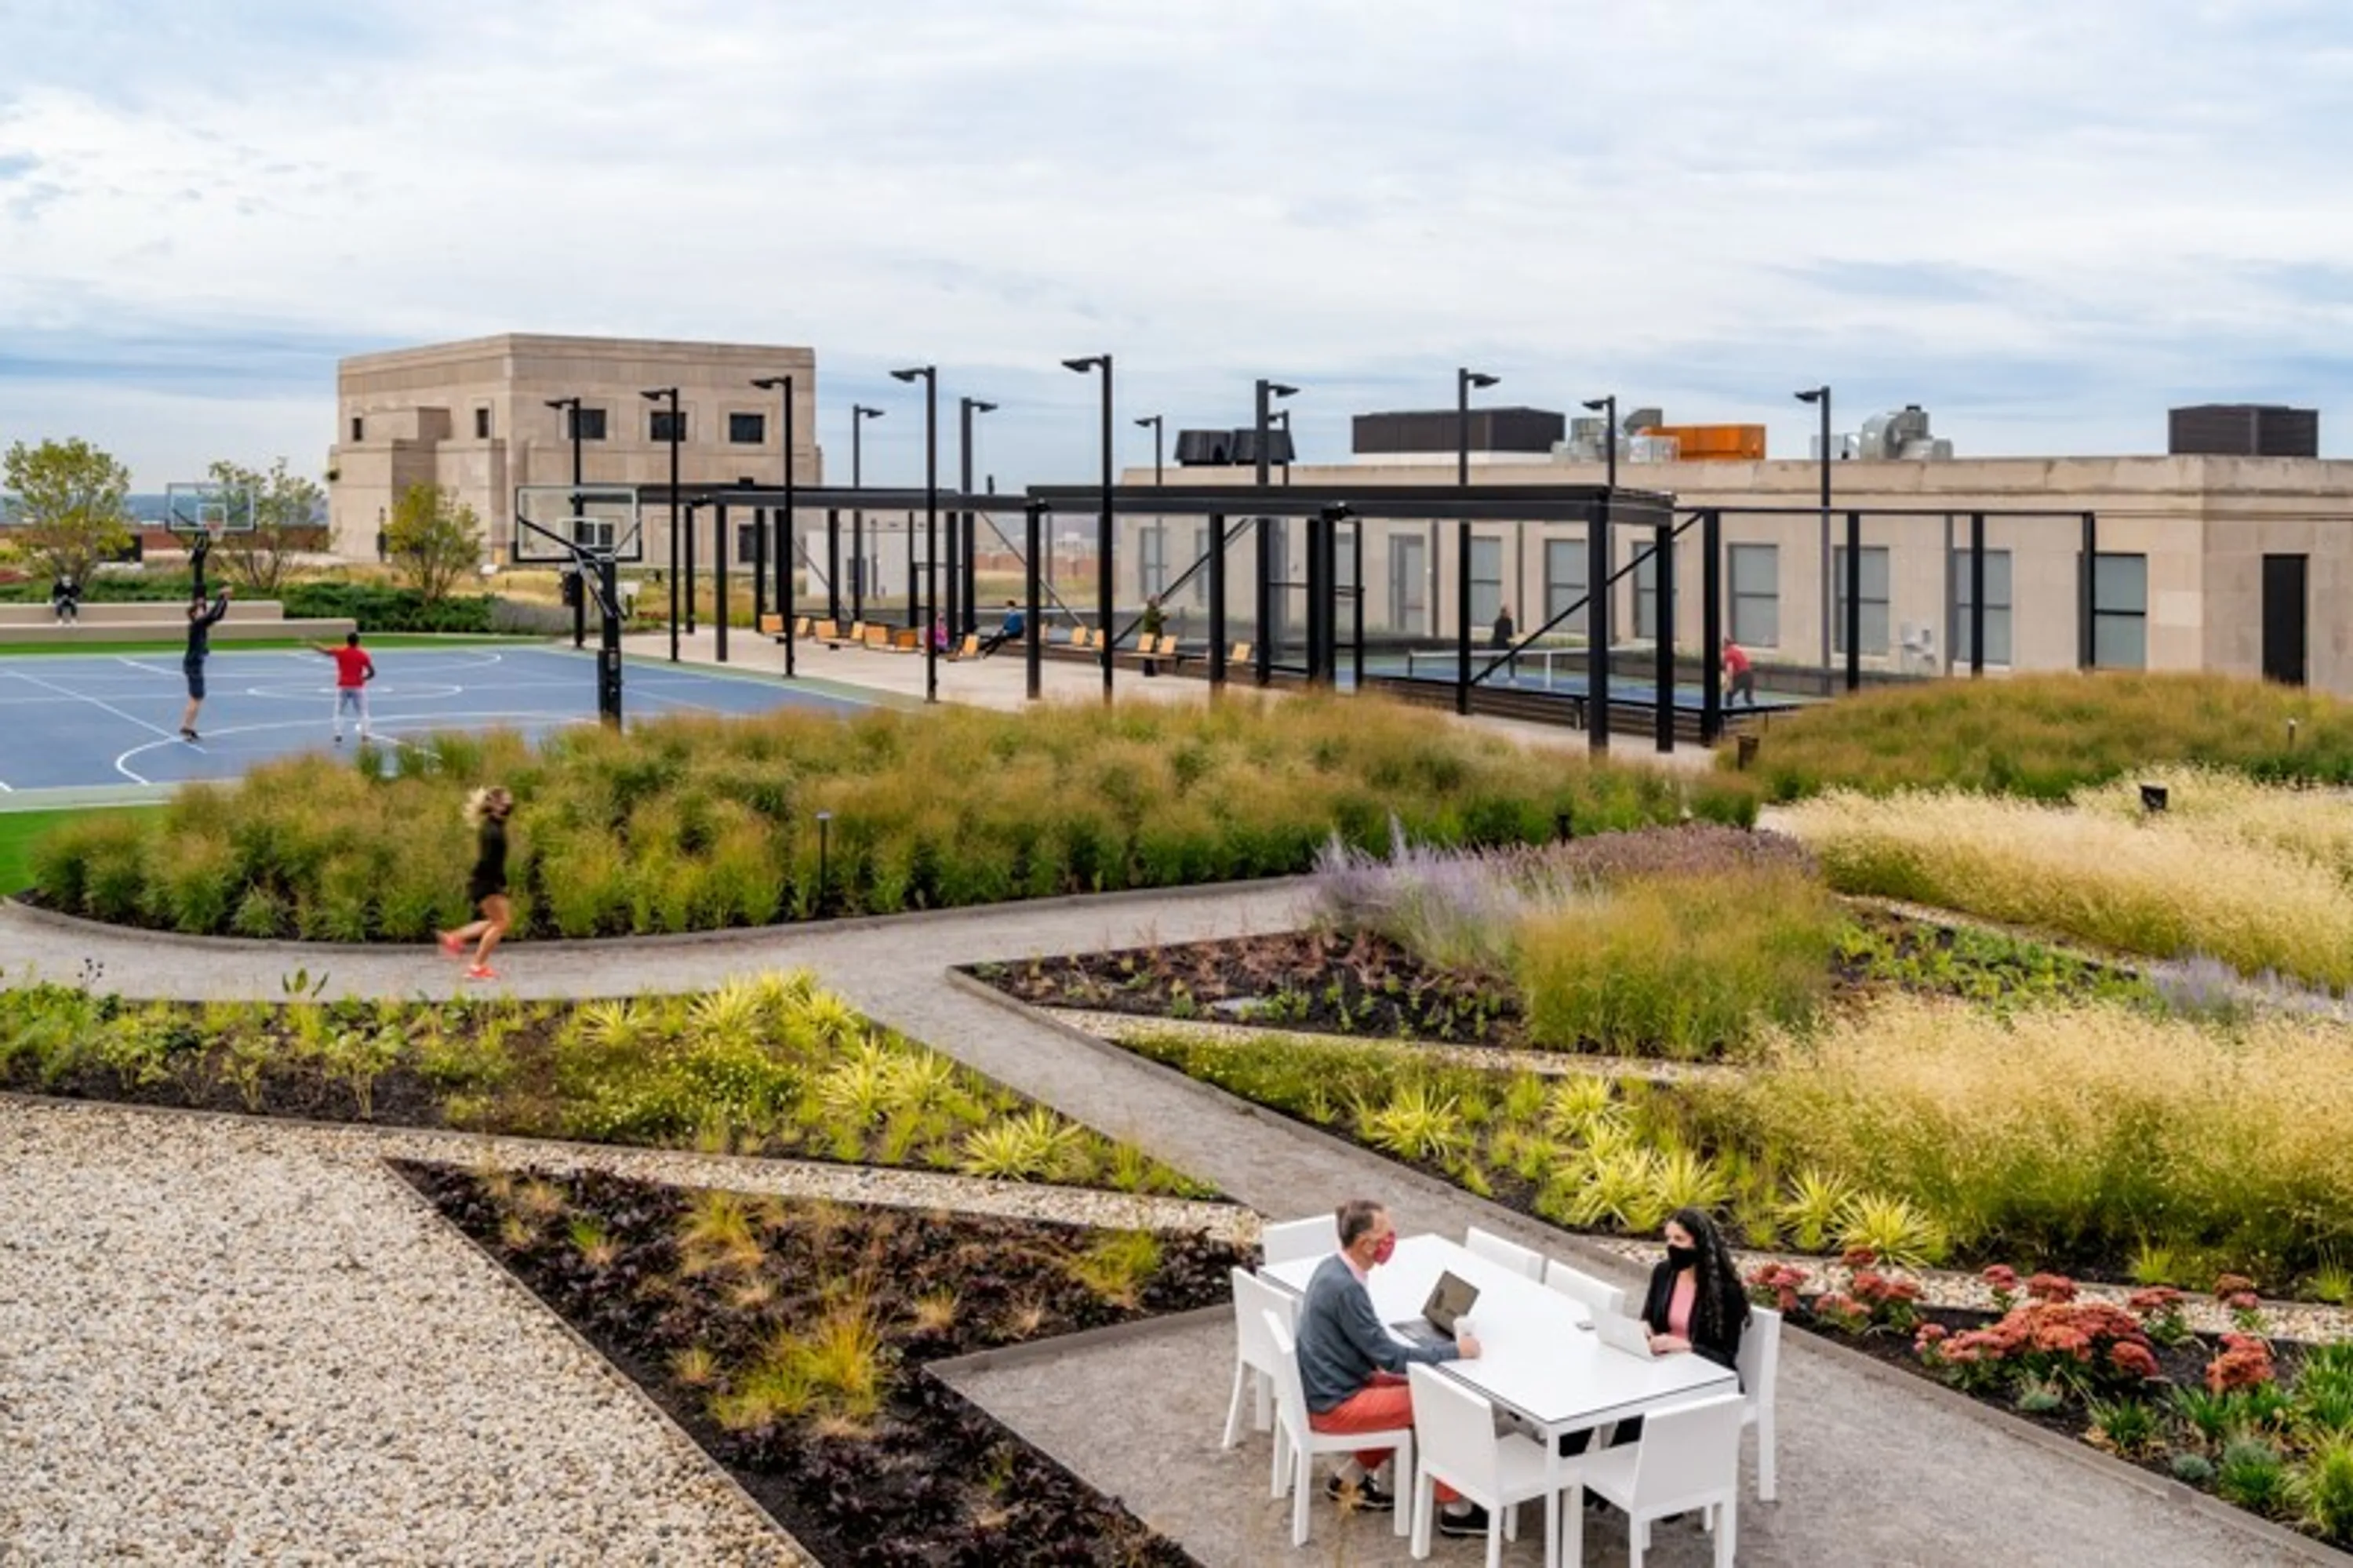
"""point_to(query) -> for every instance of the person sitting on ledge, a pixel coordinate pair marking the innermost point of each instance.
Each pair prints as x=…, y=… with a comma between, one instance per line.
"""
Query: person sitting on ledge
x=1353, y=1368
x=1011, y=627
x=65, y=599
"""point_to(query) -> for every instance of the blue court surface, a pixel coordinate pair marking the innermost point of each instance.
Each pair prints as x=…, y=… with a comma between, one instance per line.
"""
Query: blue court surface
x=1564, y=675
x=103, y=719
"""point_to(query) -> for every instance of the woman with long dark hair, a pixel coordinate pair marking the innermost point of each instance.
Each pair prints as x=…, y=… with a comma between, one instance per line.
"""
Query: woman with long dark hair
x=1695, y=1302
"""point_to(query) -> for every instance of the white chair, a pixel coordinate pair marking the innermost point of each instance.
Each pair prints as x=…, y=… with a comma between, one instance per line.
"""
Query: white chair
x=1510, y=1253
x=1315, y=1236
x=1579, y=1286
x=1458, y=1446
x=1687, y=1462
x=1759, y=1364
x=1255, y=1359
x=1305, y=1442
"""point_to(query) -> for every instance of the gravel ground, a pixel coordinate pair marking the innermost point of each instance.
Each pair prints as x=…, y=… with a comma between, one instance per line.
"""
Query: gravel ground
x=225, y=1341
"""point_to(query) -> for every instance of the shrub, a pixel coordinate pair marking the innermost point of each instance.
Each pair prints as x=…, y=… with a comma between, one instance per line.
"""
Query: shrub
x=2253, y=1475
x=1683, y=967
x=2320, y=1489
x=700, y=822
x=2046, y=735
x=2094, y=1347
x=2071, y=1133
x=2136, y=886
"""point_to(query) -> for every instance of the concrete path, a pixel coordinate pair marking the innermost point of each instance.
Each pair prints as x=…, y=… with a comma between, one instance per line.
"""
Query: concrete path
x=1874, y=1471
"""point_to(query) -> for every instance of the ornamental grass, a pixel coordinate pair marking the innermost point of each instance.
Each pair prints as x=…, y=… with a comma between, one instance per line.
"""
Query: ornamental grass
x=2072, y=1134
x=697, y=824
x=2046, y=735
x=2208, y=885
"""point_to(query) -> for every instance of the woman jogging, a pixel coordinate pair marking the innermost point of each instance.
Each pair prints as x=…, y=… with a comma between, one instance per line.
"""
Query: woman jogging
x=201, y=621
x=486, y=813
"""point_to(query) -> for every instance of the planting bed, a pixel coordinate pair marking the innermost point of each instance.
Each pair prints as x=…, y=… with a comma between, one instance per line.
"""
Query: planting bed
x=772, y=1066
x=2265, y=1424
x=792, y=1339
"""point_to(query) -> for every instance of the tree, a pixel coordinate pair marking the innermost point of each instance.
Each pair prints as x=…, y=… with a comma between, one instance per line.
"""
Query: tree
x=285, y=508
x=433, y=539
x=68, y=506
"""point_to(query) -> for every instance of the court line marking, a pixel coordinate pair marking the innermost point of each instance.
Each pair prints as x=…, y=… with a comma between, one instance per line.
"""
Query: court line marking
x=118, y=712
x=414, y=723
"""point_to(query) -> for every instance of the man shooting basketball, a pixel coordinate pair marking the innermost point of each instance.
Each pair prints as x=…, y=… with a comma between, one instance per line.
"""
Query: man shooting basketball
x=354, y=670
x=201, y=621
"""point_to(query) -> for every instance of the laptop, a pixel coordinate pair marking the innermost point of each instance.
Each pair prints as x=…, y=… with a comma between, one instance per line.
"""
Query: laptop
x=1620, y=1333
x=1449, y=1299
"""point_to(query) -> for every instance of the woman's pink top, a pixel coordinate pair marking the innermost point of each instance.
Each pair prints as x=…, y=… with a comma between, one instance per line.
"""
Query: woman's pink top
x=1679, y=1304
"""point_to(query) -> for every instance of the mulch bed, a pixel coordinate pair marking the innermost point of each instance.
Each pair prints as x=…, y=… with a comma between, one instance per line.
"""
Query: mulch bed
x=931, y=1478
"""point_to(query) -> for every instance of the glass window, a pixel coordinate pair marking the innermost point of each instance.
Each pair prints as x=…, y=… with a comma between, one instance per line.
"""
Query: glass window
x=1198, y=587
x=662, y=425
x=1872, y=599
x=1152, y=560
x=481, y=424
x=1996, y=606
x=359, y=427
x=1757, y=595
x=1486, y=581
x=587, y=424
x=2120, y=624
x=1564, y=565
x=1646, y=591
x=747, y=429
x=1408, y=583
x=595, y=533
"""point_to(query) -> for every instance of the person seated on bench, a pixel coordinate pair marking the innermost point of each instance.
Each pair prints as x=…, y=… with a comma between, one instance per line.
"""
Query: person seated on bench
x=1150, y=627
x=939, y=632
x=65, y=599
x=1011, y=628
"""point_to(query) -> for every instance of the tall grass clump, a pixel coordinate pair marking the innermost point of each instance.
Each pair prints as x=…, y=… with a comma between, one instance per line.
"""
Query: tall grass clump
x=2073, y=1135
x=692, y=823
x=2148, y=886
x=1684, y=966
x=2046, y=735
x=2220, y=807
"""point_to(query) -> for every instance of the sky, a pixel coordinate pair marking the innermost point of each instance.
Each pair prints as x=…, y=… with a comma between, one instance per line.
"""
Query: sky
x=2046, y=222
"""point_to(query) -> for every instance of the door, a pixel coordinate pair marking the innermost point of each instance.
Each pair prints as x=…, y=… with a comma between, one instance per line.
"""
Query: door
x=2283, y=618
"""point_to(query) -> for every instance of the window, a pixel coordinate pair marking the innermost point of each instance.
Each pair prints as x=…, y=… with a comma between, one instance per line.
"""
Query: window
x=1564, y=562
x=663, y=425
x=747, y=429
x=1757, y=595
x=1873, y=597
x=584, y=424
x=1200, y=586
x=481, y=424
x=747, y=542
x=2120, y=624
x=1646, y=591
x=1996, y=606
x=1486, y=581
x=595, y=533
x=1152, y=560
x=1409, y=582
x=359, y=428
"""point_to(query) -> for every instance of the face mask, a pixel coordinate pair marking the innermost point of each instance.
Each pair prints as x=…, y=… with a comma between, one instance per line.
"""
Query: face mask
x=1683, y=1257
x=1386, y=1250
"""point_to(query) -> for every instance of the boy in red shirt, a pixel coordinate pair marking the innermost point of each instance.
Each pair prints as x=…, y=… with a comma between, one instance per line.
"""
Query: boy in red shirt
x=354, y=670
x=1743, y=677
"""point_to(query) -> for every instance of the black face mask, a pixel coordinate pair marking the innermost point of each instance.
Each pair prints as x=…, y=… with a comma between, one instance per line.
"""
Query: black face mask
x=1683, y=1257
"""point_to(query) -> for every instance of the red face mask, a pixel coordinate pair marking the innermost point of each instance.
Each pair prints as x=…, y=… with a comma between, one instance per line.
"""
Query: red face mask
x=1386, y=1250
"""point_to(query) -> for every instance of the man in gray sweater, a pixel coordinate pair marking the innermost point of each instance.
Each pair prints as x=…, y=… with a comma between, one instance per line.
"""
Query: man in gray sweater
x=1353, y=1367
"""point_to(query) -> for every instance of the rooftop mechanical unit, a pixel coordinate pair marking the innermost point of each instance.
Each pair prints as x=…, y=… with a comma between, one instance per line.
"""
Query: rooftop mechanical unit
x=2242, y=430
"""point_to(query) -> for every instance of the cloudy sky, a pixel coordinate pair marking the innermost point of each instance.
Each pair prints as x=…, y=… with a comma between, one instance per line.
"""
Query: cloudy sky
x=2046, y=221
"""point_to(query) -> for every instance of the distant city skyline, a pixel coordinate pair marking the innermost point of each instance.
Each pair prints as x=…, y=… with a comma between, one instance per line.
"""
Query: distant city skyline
x=2046, y=224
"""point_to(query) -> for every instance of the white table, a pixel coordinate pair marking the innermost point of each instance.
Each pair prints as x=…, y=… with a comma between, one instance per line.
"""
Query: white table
x=1539, y=1355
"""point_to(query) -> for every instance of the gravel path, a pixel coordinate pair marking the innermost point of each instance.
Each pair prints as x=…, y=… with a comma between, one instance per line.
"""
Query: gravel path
x=222, y=1341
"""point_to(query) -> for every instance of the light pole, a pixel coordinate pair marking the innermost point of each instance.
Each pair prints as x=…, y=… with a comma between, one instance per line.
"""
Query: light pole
x=1465, y=380
x=1152, y=422
x=1608, y=408
x=1103, y=583
x=1267, y=392
x=656, y=395
x=1282, y=417
x=858, y=414
x=570, y=406
x=785, y=537
x=928, y=374
x=1821, y=396
x=968, y=590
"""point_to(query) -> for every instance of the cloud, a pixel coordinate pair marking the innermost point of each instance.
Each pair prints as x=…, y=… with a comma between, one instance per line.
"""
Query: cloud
x=2042, y=222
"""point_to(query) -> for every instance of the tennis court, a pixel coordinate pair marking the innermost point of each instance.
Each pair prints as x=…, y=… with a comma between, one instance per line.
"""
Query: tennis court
x=69, y=721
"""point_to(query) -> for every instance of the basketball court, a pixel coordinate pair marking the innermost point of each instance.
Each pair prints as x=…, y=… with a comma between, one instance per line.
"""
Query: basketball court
x=79, y=721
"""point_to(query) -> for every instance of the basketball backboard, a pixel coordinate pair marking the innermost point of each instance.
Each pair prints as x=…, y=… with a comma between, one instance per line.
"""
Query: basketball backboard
x=207, y=506
x=549, y=517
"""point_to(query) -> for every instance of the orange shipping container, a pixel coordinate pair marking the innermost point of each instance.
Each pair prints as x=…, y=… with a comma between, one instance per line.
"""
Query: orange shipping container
x=1714, y=443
